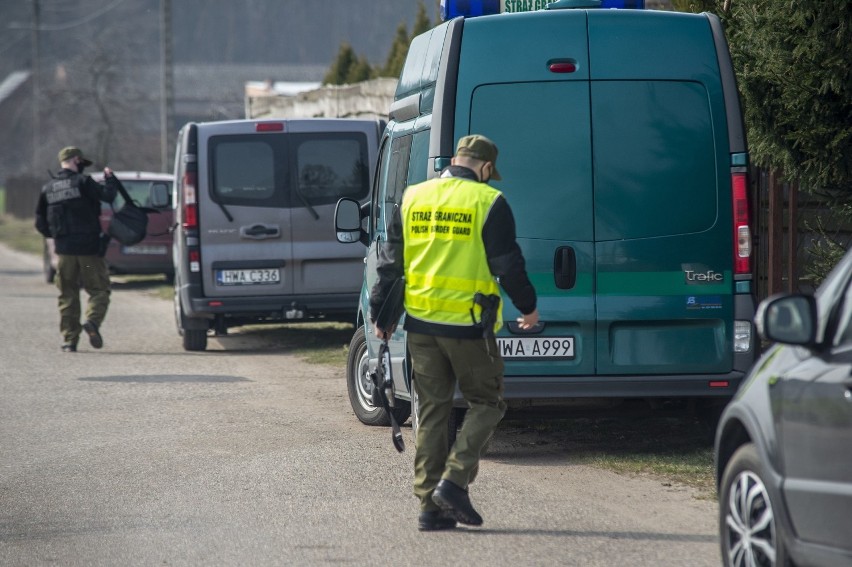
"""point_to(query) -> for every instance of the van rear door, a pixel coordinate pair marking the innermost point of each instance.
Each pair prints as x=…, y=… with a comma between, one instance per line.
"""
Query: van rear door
x=662, y=196
x=535, y=105
x=245, y=227
x=328, y=160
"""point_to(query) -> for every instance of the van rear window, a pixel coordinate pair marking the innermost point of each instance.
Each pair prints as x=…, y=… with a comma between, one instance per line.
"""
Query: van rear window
x=289, y=170
x=331, y=166
x=244, y=171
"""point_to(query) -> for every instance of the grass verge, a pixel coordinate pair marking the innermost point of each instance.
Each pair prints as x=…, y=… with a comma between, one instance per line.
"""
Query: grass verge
x=20, y=234
x=671, y=445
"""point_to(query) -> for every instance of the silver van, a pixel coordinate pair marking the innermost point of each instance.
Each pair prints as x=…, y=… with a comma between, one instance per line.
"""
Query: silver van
x=254, y=241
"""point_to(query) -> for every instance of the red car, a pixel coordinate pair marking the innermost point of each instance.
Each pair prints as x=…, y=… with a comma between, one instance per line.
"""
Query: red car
x=151, y=256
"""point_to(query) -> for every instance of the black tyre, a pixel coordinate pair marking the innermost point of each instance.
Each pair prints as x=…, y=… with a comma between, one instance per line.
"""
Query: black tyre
x=750, y=533
x=193, y=339
x=360, y=386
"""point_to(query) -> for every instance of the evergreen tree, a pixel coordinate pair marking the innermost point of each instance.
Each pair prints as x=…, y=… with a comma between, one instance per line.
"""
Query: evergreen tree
x=694, y=6
x=399, y=47
x=421, y=21
x=396, y=56
x=794, y=67
x=361, y=70
x=342, y=65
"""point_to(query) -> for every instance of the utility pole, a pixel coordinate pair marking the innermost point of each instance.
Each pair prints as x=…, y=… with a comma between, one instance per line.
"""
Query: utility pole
x=166, y=83
x=36, y=88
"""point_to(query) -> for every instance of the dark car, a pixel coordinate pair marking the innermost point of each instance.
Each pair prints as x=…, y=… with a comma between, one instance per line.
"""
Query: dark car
x=784, y=444
x=151, y=256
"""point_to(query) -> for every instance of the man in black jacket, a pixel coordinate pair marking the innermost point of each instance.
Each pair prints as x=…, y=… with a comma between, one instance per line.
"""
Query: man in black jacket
x=68, y=211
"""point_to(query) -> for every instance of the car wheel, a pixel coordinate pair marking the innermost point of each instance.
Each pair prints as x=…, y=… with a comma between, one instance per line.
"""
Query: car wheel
x=360, y=386
x=47, y=266
x=749, y=530
x=193, y=339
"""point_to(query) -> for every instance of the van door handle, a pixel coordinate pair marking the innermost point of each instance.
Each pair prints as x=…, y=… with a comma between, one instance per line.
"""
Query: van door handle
x=565, y=267
x=259, y=231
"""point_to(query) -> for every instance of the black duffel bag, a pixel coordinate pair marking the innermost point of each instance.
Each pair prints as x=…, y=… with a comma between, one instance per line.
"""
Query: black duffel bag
x=129, y=224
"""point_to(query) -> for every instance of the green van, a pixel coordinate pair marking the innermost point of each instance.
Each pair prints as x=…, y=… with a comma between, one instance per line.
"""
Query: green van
x=624, y=159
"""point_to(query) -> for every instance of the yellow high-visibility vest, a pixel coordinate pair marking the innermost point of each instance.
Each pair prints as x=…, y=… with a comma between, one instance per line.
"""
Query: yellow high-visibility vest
x=445, y=260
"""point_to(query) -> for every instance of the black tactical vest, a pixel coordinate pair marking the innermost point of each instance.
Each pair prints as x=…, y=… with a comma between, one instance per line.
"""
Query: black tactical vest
x=72, y=214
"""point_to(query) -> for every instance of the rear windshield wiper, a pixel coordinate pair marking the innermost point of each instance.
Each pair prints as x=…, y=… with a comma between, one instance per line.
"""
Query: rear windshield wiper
x=307, y=203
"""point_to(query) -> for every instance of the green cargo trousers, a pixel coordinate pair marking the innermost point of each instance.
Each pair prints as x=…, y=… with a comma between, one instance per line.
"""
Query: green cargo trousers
x=92, y=273
x=439, y=363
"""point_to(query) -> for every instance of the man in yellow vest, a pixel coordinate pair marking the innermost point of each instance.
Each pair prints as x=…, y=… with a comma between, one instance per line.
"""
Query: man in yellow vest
x=453, y=240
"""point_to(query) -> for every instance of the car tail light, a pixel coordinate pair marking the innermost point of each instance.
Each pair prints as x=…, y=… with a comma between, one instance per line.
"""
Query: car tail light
x=742, y=232
x=190, y=200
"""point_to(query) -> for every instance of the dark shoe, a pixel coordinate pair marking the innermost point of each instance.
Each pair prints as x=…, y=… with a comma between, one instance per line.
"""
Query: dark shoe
x=434, y=520
x=69, y=347
x=453, y=498
x=94, y=336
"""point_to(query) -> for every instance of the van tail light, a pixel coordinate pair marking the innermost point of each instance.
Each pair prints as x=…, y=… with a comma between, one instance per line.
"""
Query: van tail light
x=742, y=232
x=194, y=261
x=190, y=200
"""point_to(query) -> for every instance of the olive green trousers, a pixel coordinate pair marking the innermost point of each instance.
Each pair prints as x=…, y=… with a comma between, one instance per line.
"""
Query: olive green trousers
x=439, y=364
x=91, y=272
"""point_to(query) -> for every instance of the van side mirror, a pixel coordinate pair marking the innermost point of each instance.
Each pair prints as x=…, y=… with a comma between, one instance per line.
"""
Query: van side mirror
x=347, y=222
x=159, y=195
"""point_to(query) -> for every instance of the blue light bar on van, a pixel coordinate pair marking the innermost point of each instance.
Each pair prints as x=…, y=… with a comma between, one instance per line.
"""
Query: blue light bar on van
x=471, y=8
x=583, y=4
x=468, y=8
x=627, y=4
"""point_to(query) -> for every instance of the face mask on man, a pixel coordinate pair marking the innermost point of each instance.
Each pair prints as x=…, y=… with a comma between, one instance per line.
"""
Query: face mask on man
x=80, y=167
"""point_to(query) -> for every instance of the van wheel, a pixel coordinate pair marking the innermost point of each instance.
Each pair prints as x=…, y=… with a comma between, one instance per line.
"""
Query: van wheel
x=360, y=386
x=193, y=339
x=453, y=425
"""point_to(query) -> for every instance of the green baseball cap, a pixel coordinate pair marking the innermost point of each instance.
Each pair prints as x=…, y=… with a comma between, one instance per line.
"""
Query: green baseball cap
x=479, y=147
x=69, y=152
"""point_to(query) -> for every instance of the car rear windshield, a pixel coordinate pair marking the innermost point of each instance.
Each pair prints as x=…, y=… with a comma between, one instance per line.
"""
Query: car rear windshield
x=139, y=191
x=288, y=170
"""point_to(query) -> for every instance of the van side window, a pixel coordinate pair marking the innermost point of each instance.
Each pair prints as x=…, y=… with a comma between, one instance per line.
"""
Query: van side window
x=419, y=158
x=243, y=171
x=396, y=180
x=331, y=166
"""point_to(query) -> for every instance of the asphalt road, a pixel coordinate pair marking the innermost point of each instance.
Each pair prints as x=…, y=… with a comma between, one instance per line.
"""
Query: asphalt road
x=142, y=454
